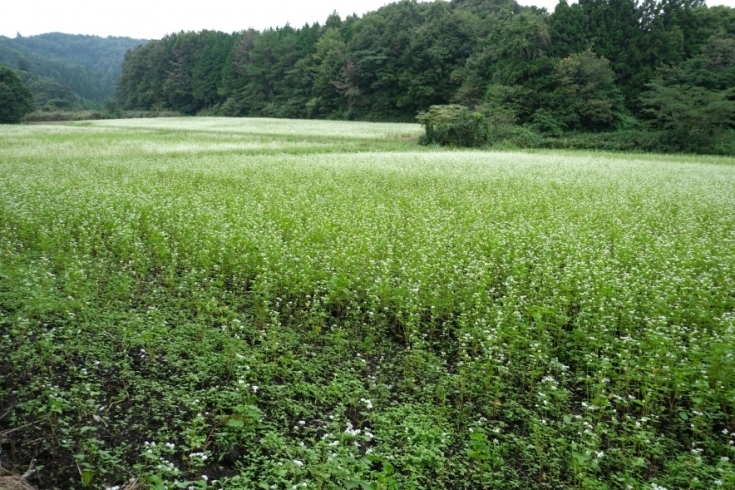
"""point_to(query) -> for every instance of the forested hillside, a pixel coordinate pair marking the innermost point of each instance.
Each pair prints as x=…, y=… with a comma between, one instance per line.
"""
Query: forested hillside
x=596, y=66
x=65, y=68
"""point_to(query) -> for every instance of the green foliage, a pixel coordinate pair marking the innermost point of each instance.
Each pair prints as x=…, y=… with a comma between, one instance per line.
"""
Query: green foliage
x=15, y=98
x=454, y=125
x=62, y=113
x=56, y=105
x=87, y=66
x=546, y=123
x=46, y=89
x=522, y=37
x=329, y=62
x=587, y=97
x=692, y=114
x=511, y=136
x=695, y=101
x=550, y=73
x=567, y=29
x=319, y=304
x=630, y=140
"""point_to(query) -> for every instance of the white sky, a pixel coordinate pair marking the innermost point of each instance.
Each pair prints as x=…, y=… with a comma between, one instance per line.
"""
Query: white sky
x=152, y=19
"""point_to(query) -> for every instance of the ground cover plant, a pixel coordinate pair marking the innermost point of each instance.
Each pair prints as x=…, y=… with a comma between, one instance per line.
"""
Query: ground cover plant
x=212, y=303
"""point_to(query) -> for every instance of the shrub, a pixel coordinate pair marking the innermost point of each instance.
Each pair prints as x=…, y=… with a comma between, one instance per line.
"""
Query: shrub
x=546, y=123
x=57, y=105
x=512, y=136
x=59, y=115
x=454, y=125
x=53, y=116
x=722, y=143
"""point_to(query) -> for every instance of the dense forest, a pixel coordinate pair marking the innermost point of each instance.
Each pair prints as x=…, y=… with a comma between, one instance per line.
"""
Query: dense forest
x=596, y=66
x=64, y=70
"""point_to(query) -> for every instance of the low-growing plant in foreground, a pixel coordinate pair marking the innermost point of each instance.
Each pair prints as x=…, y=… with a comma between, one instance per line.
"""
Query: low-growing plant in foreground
x=208, y=304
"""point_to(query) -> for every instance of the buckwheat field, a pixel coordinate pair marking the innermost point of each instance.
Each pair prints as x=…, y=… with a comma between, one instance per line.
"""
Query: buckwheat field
x=261, y=304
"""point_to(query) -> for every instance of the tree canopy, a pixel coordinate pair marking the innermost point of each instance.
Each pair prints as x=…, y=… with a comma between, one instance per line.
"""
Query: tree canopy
x=72, y=68
x=15, y=98
x=589, y=66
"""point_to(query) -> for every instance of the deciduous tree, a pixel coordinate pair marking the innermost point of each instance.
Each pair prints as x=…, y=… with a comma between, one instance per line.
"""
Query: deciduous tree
x=15, y=99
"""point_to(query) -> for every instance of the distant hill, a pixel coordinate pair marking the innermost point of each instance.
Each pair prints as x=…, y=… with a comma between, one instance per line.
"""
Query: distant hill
x=67, y=67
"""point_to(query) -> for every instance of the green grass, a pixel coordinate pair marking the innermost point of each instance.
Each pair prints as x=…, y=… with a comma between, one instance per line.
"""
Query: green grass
x=327, y=305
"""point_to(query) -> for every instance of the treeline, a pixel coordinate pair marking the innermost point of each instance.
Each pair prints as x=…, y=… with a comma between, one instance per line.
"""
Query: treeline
x=65, y=70
x=595, y=66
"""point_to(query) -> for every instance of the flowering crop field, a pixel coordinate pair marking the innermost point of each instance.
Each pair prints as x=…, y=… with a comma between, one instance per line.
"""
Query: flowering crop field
x=261, y=304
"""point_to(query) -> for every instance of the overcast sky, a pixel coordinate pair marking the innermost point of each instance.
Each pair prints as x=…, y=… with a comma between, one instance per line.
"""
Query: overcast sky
x=152, y=19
